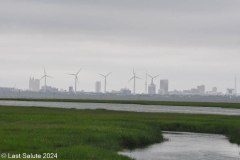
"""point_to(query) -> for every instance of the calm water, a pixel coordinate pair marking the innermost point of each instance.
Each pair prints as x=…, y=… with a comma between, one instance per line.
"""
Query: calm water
x=127, y=107
x=188, y=146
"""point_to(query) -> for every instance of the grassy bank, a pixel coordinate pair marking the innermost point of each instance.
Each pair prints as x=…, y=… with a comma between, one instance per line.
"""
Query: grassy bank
x=98, y=134
x=142, y=102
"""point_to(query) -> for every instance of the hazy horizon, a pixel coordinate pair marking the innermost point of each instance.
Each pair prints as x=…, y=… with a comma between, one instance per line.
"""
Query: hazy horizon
x=190, y=43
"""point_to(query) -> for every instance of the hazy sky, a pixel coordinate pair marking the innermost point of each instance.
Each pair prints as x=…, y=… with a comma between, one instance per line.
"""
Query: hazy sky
x=189, y=42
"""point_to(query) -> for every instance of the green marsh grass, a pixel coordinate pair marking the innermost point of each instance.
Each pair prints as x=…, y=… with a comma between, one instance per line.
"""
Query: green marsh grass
x=98, y=134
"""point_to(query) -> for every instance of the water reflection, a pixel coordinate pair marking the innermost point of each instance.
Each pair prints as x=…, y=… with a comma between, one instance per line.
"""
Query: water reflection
x=192, y=146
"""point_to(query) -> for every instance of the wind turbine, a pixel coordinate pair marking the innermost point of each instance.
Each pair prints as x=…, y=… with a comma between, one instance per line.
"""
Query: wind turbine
x=76, y=79
x=134, y=80
x=152, y=78
x=146, y=83
x=105, y=76
x=235, y=85
x=45, y=76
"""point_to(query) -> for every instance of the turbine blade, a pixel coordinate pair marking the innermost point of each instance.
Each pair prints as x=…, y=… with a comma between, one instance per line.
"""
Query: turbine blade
x=156, y=76
x=49, y=76
x=108, y=74
x=133, y=72
x=139, y=78
x=149, y=76
x=101, y=74
x=42, y=77
x=77, y=79
x=44, y=70
x=71, y=74
x=130, y=79
x=79, y=71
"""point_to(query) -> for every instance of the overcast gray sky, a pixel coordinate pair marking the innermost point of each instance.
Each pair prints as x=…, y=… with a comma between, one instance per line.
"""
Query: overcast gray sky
x=189, y=42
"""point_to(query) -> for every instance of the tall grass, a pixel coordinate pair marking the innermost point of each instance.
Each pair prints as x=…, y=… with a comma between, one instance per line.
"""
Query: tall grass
x=98, y=134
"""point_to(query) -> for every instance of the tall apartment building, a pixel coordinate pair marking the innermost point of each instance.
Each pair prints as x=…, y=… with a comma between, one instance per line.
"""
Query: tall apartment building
x=70, y=89
x=98, y=87
x=34, y=84
x=151, y=88
x=201, y=89
x=163, y=86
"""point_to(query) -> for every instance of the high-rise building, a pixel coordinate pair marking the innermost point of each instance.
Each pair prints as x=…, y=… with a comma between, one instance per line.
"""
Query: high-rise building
x=98, y=87
x=235, y=86
x=201, y=89
x=164, y=86
x=34, y=84
x=151, y=88
x=70, y=90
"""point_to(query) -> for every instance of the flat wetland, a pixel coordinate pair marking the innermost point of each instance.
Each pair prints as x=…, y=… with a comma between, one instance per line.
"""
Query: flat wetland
x=98, y=134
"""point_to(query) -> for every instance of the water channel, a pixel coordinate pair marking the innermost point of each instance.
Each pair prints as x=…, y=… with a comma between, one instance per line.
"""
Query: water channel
x=188, y=146
x=126, y=107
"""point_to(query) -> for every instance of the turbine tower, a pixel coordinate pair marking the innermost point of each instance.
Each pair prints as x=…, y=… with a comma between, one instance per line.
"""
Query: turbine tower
x=152, y=78
x=235, y=86
x=45, y=76
x=76, y=79
x=146, y=83
x=134, y=81
x=105, y=76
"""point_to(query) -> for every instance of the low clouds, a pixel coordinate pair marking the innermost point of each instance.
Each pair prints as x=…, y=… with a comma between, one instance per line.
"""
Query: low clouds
x=165, y=22
x=169, y=37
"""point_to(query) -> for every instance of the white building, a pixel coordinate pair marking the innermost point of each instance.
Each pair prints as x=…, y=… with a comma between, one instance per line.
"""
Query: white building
x=98, y=87
x=163, y=86
x=201, y=89
x=34, y=84
x=70, y=89
x=151, y=88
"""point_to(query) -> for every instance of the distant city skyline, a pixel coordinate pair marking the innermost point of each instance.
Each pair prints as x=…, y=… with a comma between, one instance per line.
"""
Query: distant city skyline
x=34, y=85
x=141, y=85
x=152, y=90
x=190, y=43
